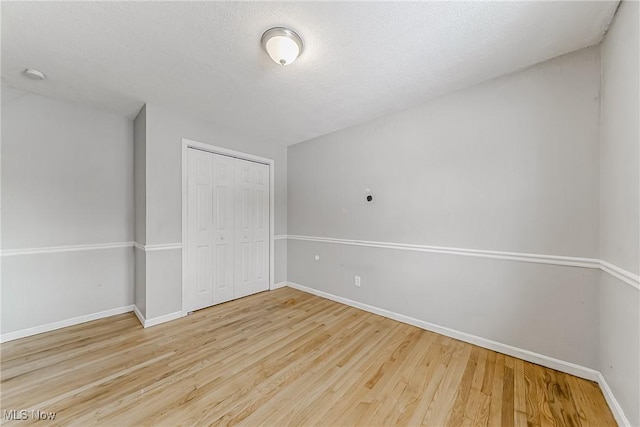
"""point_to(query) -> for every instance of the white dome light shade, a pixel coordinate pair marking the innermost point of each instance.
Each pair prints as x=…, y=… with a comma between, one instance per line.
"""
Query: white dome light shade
x=282, y=50
x=282, y=45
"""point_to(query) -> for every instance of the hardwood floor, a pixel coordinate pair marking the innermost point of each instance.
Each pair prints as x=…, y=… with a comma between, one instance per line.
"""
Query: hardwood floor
x=283, y=358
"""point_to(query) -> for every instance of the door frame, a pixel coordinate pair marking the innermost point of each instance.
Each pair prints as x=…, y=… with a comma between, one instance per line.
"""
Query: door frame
x=189, y=143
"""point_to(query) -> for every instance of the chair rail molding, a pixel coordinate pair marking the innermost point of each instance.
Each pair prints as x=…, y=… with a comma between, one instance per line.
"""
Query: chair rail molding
x=157, y=247
x=625, y=276
x=68, y=248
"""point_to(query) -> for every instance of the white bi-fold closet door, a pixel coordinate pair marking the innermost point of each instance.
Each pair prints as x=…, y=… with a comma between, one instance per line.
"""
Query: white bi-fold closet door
x=227, y=228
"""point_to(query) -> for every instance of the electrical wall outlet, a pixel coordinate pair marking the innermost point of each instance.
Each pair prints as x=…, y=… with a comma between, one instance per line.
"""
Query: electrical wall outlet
x=356, y=281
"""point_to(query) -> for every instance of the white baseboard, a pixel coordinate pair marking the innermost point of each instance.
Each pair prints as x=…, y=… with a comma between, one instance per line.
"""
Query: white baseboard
x=529, y=356
x=279, y=285
x=147, y=323
x=138, y=314
x=10, y=336
x=615, y=407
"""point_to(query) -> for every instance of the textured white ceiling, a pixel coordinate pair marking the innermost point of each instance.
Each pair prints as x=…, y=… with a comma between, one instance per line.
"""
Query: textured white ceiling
x=361, y=60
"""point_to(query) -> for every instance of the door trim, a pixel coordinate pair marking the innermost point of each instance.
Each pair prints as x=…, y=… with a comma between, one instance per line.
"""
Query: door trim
x=188, y=143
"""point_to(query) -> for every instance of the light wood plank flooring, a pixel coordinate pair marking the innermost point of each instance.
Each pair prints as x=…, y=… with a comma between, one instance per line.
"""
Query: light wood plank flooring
x=283, y=358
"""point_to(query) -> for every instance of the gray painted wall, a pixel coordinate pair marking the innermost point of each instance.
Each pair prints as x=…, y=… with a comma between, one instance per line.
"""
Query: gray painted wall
x=619, y=345
x=140, y=208
x=280, y=261
x=620, y=148
x=619, y=349
x=510, y=165
x=39, y=289
x=140, y=175
x=165, y=130
x=67, y=174
x=140, y=281
x=164, y=282
x=67, y=179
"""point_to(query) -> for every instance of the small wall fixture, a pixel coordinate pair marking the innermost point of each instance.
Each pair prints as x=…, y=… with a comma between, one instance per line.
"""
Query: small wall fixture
x=34, y=74
x=282, y=45
x=369, y=197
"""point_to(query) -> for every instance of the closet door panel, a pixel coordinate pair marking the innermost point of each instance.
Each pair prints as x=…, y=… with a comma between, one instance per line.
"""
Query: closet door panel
x=199, y=292
x=244, y=258
x=261, y=227
x=223, y=218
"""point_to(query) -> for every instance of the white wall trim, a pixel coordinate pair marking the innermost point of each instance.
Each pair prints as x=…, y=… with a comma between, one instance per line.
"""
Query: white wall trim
x=138, y=314
x=158, y=247
x=621, y=274
x=280, y=237
x=68, y=248
x=225, y=151
x=10, y=336
x=627, y=277
x=97, y=246
x=615, y=407
x=529, y=356
x=162, y=319
x=512, y=256
x=279, y=285
x=162, y=247
x=147, y=323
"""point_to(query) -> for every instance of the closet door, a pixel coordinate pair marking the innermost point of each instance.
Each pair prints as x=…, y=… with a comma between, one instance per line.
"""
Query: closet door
x=199, y=292
x=210, y=247
x=228, y=229
x=223, y=222
x=252, y=228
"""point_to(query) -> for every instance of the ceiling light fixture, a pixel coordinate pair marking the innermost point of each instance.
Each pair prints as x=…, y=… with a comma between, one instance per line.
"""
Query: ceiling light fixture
x=282, y=45
x=34, y=74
